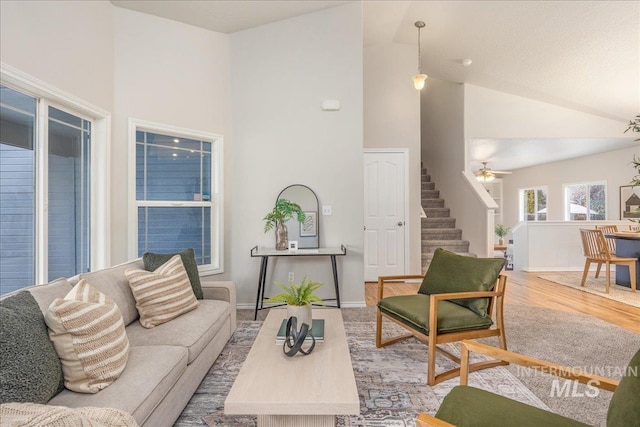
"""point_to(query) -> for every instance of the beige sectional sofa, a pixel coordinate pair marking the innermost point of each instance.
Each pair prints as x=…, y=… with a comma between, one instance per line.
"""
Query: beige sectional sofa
x=166, y=363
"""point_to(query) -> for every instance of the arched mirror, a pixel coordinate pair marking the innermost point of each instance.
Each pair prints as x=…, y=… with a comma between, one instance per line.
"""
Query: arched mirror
x=307, y=233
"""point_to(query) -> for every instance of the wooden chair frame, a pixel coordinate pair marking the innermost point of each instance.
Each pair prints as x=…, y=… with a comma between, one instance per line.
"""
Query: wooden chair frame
x=596, y=250
x=426, y=420
x=607, y=229
x=434, y=338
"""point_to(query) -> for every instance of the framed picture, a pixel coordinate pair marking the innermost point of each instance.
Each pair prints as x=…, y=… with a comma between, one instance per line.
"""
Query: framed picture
x=309, y=227
x=629, y=202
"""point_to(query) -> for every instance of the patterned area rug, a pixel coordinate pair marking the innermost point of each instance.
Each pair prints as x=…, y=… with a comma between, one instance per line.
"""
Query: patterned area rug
x=390, y=381
x=595, y=286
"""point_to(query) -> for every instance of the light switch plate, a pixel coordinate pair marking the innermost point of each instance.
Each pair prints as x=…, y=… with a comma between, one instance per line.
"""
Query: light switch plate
x=326, y=210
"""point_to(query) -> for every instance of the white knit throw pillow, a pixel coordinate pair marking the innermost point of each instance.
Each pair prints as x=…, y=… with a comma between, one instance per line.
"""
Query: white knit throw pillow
x=36, y=415
x=163, y=294
x=88, y=334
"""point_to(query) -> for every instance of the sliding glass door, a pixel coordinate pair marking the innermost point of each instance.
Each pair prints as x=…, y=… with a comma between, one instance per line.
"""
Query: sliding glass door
x=68, y=194
x=45, y=204
x=17, y=189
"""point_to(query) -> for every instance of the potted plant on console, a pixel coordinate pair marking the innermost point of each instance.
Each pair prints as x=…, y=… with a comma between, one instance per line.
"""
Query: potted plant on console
x=298, y=299
x=283, y=211
x=501, y=232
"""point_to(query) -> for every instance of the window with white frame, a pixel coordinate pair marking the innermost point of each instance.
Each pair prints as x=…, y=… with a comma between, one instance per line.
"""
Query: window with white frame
x=585, y=201
x=45, y=191
x=178, y=201
x=533, y=204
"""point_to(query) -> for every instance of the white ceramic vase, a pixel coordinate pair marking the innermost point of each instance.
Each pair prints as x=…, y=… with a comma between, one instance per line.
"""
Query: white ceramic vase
x=302, y=314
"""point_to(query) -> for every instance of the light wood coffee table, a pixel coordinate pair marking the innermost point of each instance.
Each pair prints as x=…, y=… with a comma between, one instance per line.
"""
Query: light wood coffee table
x=301, y=390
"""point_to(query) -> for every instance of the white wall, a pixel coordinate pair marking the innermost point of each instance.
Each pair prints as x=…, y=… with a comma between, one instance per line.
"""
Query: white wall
x=141, y=66
x=170, y=73
x=553, y=245
x=443, y=153
x=392, y=120
x=67, y=44
x=612, y=167
x=280, y=73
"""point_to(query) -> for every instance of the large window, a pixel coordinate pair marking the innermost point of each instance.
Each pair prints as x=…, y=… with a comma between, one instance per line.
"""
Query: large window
x=533, y=204
x=585, y=201
x=177, y=193
x=44, y=191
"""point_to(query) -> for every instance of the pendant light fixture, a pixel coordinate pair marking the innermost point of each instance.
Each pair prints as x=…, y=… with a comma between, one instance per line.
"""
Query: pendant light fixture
x=419, y=79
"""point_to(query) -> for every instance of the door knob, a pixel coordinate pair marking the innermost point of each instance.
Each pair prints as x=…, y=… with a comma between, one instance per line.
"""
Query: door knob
x=400, y=223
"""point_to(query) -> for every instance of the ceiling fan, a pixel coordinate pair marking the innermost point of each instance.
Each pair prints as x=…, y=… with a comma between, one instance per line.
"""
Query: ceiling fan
x=486, y=174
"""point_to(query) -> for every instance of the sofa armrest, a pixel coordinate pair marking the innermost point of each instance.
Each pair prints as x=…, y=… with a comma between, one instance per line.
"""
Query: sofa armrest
x=224, y=291
x=397, y=278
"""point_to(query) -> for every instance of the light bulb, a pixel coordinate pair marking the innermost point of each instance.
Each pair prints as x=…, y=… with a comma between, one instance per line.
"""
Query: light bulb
x=419, y=80
x=486, y=177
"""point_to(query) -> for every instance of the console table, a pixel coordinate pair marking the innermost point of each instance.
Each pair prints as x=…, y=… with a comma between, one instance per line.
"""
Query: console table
x=265, y=253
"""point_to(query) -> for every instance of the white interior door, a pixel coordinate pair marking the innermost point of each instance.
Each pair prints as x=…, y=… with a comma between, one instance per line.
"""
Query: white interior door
x=384, y=222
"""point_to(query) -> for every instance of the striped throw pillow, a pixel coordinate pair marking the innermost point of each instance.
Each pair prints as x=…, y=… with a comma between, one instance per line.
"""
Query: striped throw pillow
x=163, y=294
x=88, y=334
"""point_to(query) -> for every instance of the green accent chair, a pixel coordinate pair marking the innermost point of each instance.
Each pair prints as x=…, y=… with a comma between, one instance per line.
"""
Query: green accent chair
x=455, y=301
x=467, y=406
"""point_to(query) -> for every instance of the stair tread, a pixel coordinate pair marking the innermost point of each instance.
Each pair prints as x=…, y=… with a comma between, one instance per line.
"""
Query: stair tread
x=438, y=224
x=445, y=240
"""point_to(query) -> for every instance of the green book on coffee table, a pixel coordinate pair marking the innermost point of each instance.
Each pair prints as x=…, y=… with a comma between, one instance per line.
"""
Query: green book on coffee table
x=317, y=330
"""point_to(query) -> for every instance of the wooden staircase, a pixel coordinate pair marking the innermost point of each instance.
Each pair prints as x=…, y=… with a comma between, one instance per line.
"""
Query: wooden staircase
x=438, y=228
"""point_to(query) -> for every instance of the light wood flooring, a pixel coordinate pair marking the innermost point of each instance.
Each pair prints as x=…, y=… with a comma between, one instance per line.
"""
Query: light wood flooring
x=526, y=288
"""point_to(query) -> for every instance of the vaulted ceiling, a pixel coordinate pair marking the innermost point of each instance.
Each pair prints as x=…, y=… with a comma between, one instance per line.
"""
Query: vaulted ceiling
x=583, y=55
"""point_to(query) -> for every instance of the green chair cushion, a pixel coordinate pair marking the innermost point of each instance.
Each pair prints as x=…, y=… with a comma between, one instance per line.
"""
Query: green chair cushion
x=624, y=409
x=413, y=311
x=449, y=272
x=30, y=370
x=153, y=261
x=466, y=406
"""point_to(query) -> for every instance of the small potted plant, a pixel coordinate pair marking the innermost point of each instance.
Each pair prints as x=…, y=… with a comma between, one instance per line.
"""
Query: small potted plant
x=501, y=231
x=298, y=299
x=283, y=211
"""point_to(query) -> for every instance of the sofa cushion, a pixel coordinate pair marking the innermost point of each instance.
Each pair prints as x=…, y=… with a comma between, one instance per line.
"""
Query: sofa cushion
x=36, y=415
x=113, y=283
x=153, y=261
x=624, y=409
x=450, y=272
x=88, y=333
x=150, y=373
x=413, y=310
x=45, y=294
x=30, y=370
x=470, y=406
x=162, y=295
x=193, y=330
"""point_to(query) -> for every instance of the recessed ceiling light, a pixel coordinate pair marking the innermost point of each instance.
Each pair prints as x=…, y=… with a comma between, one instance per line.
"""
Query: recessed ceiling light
x=467, y=62
x=174, y=155
x=176, y=140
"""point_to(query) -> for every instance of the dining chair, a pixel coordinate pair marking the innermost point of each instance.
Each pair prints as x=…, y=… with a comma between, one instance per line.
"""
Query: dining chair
x=608, y=229
x=596, y=250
